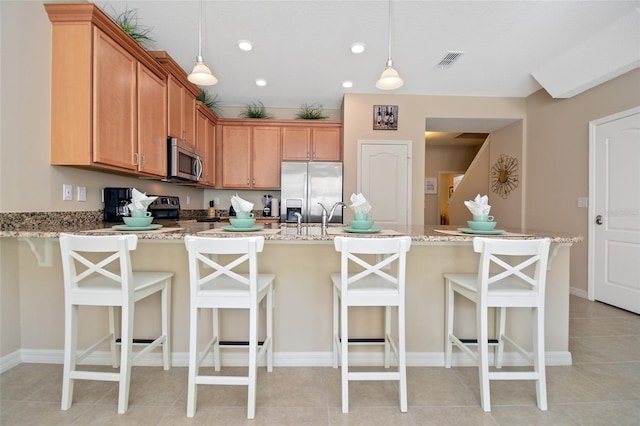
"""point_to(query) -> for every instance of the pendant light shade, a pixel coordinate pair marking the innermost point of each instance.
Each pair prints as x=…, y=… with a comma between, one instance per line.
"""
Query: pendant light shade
x=389, y=79
x=201, y=74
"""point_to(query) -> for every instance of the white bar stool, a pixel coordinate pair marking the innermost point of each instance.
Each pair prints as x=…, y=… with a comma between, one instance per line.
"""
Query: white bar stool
x=512, y=273
x=365, y=283
x=97, y=272
x=216, y=285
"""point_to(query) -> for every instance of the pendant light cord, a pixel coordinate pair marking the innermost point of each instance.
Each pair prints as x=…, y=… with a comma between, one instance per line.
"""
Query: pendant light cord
x=389, y=31
x=200, y=31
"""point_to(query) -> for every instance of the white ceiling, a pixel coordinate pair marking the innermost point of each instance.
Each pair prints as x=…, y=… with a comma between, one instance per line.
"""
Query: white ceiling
x=301, y=48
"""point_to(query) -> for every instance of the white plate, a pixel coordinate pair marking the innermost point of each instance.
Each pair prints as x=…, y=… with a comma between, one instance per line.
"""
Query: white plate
x=136, y=228
x=362, y=231
x=232, y=228
x=477, y=231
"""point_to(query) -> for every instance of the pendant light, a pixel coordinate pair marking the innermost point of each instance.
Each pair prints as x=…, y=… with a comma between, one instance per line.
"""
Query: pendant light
x=201, y=74
x=389, y=79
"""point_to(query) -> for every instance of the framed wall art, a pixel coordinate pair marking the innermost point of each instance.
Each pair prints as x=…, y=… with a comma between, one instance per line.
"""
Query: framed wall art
x=385, y=117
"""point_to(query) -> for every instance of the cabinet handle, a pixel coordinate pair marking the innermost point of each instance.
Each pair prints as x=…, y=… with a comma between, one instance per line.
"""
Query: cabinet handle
x=248, y=182
x=142, y=161
x=254, y=181
x=135, y=158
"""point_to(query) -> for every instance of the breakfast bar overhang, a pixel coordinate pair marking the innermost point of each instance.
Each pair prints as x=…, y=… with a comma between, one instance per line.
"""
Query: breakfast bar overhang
x=302, y=263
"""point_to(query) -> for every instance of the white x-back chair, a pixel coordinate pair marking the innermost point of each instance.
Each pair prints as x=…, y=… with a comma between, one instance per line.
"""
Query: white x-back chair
x=97, y=272
x=365, y=282
x=217, y=284
x=511, y=274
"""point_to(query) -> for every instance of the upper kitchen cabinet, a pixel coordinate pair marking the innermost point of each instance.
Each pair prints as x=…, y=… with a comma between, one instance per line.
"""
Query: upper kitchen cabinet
x=108, y=95
x=250, y=156
x=206, y=143
x=317, y=142
x=181, y=98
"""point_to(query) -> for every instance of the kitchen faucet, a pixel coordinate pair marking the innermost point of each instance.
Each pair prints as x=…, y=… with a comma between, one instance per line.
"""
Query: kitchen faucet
x=299, y=218
x=326, y=219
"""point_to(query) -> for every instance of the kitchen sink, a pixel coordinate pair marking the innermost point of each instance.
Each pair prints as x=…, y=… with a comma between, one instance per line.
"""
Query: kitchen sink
x=303, y=230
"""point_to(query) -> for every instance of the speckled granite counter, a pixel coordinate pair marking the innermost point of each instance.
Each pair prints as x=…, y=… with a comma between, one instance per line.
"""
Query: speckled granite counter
x=50, y=225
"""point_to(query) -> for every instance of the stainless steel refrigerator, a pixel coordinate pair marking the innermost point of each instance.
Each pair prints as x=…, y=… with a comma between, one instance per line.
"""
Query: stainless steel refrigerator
x=304, y=185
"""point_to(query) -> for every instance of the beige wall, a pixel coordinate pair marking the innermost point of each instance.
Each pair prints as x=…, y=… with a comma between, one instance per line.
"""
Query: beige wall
x=476, y=181
x=9, y=297
x=557, y=155
x=508, y=141
x=412, y=114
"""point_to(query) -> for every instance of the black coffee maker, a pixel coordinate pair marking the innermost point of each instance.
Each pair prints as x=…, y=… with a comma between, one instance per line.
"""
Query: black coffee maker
x=115, y=203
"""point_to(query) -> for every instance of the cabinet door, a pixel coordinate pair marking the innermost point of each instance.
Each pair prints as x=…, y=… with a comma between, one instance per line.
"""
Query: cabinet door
x=210, y=155
x=296, y=143
x=205, y=144
x=152, y=123
x=189, y=117
x=326, y=144
x=266, y=157
x=236, y=158
x=114, y=104
x=174, y=108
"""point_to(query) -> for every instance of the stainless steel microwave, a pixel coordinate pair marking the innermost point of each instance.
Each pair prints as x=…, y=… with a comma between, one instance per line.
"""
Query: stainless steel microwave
x=185, y=163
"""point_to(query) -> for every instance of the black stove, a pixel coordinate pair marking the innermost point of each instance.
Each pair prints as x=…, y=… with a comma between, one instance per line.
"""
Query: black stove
x=165, y=207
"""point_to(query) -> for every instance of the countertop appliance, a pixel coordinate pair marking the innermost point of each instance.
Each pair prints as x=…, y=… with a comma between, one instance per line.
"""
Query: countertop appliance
x=117, y=199
x=184, y=162
x=165, y=207
x=304, y=185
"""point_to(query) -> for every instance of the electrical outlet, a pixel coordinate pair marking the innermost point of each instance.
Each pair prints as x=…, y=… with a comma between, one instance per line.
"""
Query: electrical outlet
x=583, y=202
x=188, y=200
x=216, y=201
x=67, y=192
x=82, y=193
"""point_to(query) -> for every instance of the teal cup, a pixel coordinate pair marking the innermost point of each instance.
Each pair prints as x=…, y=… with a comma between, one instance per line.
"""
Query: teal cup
x=362, y=216
x=244, y=215
x=140, y=213
x=242, y=223
x=482, y=218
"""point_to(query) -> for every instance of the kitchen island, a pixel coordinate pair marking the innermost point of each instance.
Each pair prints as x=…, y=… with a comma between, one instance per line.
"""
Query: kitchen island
x=301, y=260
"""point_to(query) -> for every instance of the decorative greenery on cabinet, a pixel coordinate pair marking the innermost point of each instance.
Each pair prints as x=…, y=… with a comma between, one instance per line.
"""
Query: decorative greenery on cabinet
x=128, y=21
x=311, y=112
x=255, y=110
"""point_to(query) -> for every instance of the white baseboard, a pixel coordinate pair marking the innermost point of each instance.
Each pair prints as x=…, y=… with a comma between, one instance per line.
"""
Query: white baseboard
x=578, y=292
x=280, y=359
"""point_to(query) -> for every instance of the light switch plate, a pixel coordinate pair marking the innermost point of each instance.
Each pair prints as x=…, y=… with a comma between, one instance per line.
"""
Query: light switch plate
x=67, y=192
x=82, y=193
x=583, y=202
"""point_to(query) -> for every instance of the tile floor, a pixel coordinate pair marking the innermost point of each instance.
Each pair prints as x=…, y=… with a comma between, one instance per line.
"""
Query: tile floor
x=601, y=388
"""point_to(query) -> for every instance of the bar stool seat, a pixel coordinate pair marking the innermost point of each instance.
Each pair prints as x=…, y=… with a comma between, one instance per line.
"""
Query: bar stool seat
x=215, y=284
x=511, y=274
x=97, y=272
x=377, y=283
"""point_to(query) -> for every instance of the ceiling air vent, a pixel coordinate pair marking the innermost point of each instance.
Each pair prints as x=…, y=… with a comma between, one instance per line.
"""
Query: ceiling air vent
x=449, y=59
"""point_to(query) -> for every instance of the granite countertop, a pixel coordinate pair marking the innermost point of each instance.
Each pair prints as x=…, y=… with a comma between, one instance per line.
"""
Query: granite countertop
x=50, y=225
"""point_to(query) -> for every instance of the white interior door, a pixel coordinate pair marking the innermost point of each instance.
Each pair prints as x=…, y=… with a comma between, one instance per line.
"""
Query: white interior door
x=614, y=237
x=384, y=178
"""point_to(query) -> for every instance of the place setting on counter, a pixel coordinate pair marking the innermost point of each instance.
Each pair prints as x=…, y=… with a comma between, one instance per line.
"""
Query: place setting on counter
x=482, y=224
x=139, y=218
x=243, y=222
x=362, y=222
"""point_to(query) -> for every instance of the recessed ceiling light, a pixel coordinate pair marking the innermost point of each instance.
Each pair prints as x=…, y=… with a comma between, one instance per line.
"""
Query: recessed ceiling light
x=347, y=84
x=357, y=47
x=261, y=82
x=245, y=45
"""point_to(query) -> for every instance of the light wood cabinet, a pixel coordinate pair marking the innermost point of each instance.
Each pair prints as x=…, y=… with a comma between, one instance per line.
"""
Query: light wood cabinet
x=206, y=143
x=181, y=100
x=313, y=143
x=250, y=157
x=107, y=95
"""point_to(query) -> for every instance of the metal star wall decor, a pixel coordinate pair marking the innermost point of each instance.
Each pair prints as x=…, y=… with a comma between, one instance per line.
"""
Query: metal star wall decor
x=504, y=175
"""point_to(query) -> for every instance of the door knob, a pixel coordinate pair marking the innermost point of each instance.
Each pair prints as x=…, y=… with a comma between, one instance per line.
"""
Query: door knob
x=599, y=220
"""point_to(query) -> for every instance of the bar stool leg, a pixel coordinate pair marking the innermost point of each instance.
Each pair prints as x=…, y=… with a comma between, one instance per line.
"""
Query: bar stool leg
x=402, y=358
x=192, y=387
x=125, y=357
x=483, y=357
x=71, y=347
x=253, y=353
x=344, y=342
